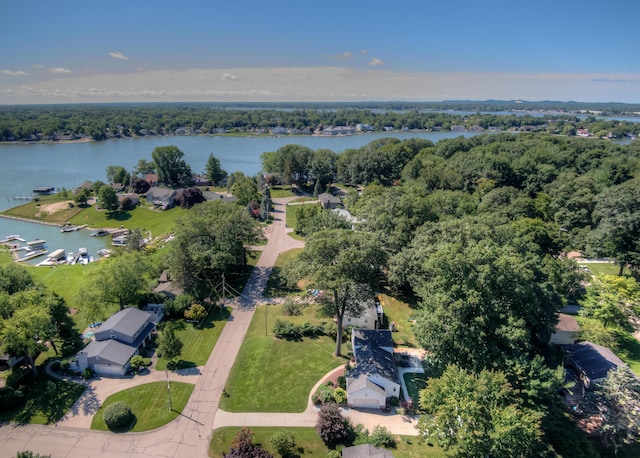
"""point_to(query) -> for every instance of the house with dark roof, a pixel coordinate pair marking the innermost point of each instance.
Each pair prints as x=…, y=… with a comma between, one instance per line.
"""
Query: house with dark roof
x=167, y=287
x=163, y=198
x=329, y=201
x=116, y=341
x=375, y=376
x=592, y=362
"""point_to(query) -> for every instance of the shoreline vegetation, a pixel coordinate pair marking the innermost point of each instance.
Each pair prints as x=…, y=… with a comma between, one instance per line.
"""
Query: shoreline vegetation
x=83, y=123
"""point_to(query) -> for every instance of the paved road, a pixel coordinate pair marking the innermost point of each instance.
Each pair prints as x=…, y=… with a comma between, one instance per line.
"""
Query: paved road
x=189, y=435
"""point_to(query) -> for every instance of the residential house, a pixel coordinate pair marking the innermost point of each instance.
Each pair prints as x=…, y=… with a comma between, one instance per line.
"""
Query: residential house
x=131, y=199
x=117, y=340
x=567, y=330
x=375, y=377
x=371, y=317
x=152, y=179
x=210, y=195
x=329, y=201
x=167, y=287
x=592, y=362
x=163, y=198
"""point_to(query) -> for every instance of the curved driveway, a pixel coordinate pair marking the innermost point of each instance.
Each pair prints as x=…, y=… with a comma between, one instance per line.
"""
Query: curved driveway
x=188, y=436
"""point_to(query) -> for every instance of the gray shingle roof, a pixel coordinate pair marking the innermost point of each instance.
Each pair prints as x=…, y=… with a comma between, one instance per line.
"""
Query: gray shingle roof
x=594, y=360
x=365, y=451
x=127, y=322
x=110, y=352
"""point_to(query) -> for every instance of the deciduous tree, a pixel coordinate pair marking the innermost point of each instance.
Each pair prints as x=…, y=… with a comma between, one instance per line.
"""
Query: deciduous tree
x=170, y=166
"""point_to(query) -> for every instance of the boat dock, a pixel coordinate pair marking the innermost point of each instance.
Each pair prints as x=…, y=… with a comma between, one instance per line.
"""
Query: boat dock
x=71, y=228
x=33, y=254
x=11, y=238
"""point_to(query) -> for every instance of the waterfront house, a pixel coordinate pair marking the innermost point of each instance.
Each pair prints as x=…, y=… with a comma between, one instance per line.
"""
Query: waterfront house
x=162, y=198
x=375, y=378
x=117, y=340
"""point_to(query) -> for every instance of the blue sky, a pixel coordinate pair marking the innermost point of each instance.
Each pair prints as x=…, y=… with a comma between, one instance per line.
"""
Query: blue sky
x=89, y=51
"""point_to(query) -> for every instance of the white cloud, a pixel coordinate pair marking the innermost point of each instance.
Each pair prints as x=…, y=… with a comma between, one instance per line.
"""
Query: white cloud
x=309, y=84
x=363, y=51
x=38, y=65
x=59, y=70
x=344, y=56
x=118, y=55
x=375, y=62
x=17, y=73
x=229, y=76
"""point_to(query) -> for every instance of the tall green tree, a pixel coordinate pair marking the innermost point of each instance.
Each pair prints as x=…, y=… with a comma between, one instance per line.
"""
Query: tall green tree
x=169, y=345
x=210, y=240
x=343, y=263
x=108, y=198
x=118, y=280
x=479, y=415
x=117, y=174
x=170, y=166
x=214, y=170
x=617, y=218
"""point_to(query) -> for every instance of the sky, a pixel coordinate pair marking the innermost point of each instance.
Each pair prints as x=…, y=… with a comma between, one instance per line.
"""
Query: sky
x=87, y=51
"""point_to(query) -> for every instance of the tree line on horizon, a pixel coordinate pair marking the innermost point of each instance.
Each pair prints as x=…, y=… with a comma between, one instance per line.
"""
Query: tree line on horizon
x=100, y=122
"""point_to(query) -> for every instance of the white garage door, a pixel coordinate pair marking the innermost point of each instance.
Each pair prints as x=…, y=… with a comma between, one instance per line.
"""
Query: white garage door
x=366, y=403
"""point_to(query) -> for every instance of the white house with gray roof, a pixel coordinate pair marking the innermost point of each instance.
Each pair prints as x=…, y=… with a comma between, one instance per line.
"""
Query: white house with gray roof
x=375, y=377
x=117, y=340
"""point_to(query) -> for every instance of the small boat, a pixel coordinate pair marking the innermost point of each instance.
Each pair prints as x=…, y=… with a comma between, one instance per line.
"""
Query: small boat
x=120, y=241
x=105, y=252
x=82, y=252
x=70, y=257
x=100, y=233
x=36, y=243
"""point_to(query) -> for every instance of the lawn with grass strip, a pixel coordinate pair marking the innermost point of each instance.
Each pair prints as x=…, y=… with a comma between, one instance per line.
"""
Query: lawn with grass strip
x=278, y=192
x=46, y=400
x=309, y=444
x=198, y=342
x=149, y=403
x=628, y=349
x=400, y=312
x=415, y=382
x=601, y=269
x=276, y=285
x=276, y=375
x=142, y=217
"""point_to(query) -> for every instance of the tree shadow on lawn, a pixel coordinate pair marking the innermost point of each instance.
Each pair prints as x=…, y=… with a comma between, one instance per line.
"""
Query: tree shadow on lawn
x=44, y=398
x=118, y=215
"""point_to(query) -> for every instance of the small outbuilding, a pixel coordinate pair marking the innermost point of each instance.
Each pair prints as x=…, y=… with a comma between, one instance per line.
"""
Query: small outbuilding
x=592, y=362
x=567, y=330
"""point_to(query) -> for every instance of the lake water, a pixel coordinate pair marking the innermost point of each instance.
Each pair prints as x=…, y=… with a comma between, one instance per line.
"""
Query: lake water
x=24, y=167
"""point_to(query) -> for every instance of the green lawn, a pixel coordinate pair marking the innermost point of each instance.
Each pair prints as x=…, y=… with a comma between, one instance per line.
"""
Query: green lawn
x=46, y=400
x=149, y=403
x=275, y=375
x=198, y=342
x=281, y=191
x=628, y=350
x=400, y=312
x=415, y=383
x=142, y=217
x=310, y=445
x=603, y=268
x=33, y=210
x=275, y=284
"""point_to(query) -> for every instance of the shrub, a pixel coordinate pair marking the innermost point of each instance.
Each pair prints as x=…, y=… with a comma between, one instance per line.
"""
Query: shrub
x=381, y=437
x=243, y=447
x=340, y=395
x=331, y=329
x=10, y=397
x=117, y=415
x=342, y=382
x=195, y=312
x=136, y=363
x=394, y=401
x=176, y=307
x=283, y=442
x=291, y=308
x=331, y=426
x=323, y=395
x=87, y=373
x=309, y=330
x=285, y=330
